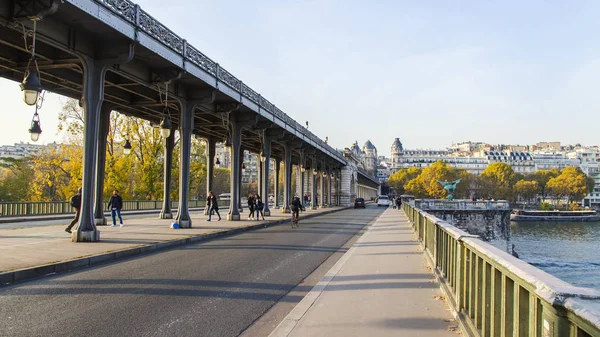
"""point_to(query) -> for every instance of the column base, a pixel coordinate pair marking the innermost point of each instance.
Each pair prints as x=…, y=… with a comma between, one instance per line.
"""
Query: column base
x=85, y=236
x=100, y=221
x=313, y=207
x=165, y=215
x=267, y=212
x=233, y=217
x=185, y=223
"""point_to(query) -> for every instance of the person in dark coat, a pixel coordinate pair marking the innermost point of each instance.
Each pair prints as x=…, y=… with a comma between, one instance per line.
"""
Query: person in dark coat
x=214, y=206
x=398, y=203
x=117, y=203
x=76, y=204
x=251, y=204
x=259, y=208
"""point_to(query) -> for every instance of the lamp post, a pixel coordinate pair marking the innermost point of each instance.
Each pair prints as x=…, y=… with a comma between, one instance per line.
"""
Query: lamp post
x=31, y=85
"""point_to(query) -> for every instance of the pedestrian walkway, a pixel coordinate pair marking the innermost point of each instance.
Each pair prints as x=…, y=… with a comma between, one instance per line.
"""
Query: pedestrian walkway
x=380, y=287
x=29, y=247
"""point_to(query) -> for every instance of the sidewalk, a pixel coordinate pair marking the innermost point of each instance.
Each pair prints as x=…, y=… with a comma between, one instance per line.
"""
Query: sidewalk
x=380, y=287
x=33, y=251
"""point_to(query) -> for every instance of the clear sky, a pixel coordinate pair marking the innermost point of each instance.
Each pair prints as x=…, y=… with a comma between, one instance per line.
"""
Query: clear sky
x=428, y=72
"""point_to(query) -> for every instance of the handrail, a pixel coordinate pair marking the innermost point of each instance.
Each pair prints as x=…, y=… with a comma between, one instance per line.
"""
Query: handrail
x=32, y=208
x=495, y=294
x=143, y=21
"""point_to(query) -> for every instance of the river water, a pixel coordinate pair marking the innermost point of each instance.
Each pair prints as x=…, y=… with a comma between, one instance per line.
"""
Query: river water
x=567, y=250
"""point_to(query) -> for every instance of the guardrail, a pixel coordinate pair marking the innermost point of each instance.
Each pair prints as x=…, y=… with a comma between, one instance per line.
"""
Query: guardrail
x=495, y=294
x=436, y=204
x=31, y=208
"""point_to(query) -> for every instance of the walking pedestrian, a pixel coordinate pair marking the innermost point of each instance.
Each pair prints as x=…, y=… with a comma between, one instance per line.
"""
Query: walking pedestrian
x=251, y=204
x=305, y=200
x=296, y=205
x=214, y=206
x=399, y=203
x=117, y=203
x=259, y=207
x=75, y=202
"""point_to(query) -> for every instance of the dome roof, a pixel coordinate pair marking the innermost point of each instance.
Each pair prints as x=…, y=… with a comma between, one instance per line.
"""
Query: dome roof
x=369, y=145
x=396, y=145
x=355, y=147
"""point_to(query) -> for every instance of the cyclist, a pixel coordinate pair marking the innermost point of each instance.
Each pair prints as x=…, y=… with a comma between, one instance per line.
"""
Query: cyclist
x=296, y=205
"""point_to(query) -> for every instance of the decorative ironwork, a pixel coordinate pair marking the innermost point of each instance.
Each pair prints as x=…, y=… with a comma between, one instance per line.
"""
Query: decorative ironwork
x=201, y=60
x=229, y=79
x=251, y=94
x=158, y=31
x=124, y=8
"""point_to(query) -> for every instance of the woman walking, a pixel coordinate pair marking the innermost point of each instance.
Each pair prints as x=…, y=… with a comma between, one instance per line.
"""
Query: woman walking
x=214, y=206
x=259, y=207
x=251, y=206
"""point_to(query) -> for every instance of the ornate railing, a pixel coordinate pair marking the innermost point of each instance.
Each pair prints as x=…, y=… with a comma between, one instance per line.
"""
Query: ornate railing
x=426, y=204
x=143, y=21
x=31, y=208
x=495, y=294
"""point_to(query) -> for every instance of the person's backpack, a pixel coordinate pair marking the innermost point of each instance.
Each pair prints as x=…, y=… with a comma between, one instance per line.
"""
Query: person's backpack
x=75, y=201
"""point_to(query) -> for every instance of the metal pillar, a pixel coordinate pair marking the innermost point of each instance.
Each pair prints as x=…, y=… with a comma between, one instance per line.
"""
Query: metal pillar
x=166, y=212
x=99, y=218
x=210, y=166
x=239, y=197
x=236, y=168
x=186, y=125
x=322, y=187
x=299, y=172
x=265, y=170
x=313, y=197
x=287, y=177
x=93, y=95
x=329, y=181
x=259, y=177
x=276, y=183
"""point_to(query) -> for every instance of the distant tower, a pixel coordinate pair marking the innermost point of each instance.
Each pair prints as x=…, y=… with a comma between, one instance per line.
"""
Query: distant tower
x=397, y=152
x=356, y=150
x=370, y=157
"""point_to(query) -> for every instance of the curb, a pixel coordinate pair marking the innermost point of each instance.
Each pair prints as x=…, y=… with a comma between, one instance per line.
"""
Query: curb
x=19, y=275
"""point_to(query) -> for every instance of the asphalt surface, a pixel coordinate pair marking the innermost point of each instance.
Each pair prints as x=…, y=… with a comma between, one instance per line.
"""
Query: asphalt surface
x=214, y=288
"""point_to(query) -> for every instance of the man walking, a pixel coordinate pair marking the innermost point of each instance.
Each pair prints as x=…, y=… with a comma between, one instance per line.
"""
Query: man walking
x=76, y=204
x=214, y=206
x=117, y=203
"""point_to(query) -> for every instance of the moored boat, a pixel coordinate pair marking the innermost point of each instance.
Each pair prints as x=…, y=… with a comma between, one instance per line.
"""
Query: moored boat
x=523, y=215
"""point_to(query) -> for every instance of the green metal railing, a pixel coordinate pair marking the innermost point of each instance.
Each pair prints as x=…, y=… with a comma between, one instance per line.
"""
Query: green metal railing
x=8, y=209
x=495, y=294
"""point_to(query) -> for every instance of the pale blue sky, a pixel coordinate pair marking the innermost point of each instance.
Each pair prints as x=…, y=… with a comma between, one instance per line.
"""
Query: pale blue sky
x=428, y=72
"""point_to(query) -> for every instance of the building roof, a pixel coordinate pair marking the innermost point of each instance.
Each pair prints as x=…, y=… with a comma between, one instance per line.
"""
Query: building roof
x=369, y=145
x=396, y=145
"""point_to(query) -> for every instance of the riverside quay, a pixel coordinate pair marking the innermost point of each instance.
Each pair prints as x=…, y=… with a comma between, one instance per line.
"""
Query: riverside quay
x=341, y=271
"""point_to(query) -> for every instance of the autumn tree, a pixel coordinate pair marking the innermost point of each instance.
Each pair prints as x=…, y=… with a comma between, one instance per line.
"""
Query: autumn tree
x=572, y=183
x=526, y=189
x=399, y=179
x=15, y=177
x=497, y=181
x=542, y=177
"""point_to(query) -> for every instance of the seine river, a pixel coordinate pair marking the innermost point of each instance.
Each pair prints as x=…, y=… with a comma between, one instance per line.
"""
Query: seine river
x=567, y=250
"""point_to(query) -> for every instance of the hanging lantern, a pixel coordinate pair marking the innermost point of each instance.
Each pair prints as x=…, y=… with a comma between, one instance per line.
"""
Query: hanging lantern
x=218, y=162
x=35, y=129
x=165, y=124
x=227, y=141
x=127, y=147
x=31, y=87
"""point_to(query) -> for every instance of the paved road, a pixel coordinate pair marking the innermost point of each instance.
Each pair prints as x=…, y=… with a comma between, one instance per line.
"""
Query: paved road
x=215, y=288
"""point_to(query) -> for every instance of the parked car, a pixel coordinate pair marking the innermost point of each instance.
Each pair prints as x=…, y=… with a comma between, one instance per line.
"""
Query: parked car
x=383, y=200
x=359, y=202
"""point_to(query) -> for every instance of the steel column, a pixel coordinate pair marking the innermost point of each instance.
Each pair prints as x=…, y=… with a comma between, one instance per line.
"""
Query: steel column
x=287, y=177
x=322, y=187
x=236, y=166
x=276, y=183
x=210, y=165
x=313, y=197
x=265, y=168
x=99, y=218
x=186, y=125
x=166, y=212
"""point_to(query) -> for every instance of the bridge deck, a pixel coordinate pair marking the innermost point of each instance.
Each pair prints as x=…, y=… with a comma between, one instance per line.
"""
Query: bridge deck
x=381, y=287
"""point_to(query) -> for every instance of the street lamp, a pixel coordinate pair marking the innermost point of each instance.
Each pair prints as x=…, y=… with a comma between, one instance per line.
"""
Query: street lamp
x=127, y=147
x=315, y=172
x=302, y=168
x=218, y=162
x=165, y=124
x=262, y=157
x=31, y=85
x=35, y=129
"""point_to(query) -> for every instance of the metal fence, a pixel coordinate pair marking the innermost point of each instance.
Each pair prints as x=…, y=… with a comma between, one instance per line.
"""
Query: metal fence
x=495, y=294
x=8, y=209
